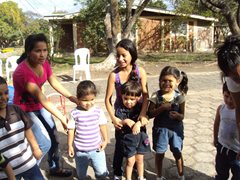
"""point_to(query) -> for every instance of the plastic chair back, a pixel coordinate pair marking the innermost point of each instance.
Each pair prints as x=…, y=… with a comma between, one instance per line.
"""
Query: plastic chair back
x=82, y=62
x=11, y=65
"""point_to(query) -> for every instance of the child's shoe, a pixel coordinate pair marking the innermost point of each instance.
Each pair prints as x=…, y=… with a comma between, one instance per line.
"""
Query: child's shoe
x=141, y=178
x=117, y=177
x=161, y=178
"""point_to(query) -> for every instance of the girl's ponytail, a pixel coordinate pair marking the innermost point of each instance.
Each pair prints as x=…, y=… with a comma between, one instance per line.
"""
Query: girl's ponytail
x=183, y=86
x=133, y=75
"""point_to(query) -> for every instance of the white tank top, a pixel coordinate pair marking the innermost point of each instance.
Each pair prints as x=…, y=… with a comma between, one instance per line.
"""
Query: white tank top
x=228, y=133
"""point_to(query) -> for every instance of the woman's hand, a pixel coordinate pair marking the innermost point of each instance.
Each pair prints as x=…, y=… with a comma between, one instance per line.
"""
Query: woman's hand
x=37, y=153
x=129, y=122
x=144, y=120
x=73, y=99
x=117, y=123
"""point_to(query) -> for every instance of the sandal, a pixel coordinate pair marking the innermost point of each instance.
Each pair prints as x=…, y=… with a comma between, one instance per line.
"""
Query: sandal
x=60, y=172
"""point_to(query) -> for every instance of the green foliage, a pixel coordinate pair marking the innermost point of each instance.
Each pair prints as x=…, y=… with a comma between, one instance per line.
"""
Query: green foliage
x=93, y=33
x=15, y=25
x=11, y=23
x=157, y=4
x=192, y=7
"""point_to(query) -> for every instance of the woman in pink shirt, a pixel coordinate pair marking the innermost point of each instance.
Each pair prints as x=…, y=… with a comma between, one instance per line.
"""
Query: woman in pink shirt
x=32, y=72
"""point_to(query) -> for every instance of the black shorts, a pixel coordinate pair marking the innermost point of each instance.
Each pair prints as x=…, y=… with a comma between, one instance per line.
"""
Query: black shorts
x=135, y=144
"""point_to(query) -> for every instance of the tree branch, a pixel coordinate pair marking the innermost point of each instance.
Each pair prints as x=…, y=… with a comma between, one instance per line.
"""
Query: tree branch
x=210, y=5
x=133, y=19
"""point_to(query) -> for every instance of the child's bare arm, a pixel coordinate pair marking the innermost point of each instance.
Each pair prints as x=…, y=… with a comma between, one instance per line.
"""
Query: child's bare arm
x=70, y=142
x=7, y=168
x=103, y=130
x=33, y=143
x=10, y=174
x=216, y=126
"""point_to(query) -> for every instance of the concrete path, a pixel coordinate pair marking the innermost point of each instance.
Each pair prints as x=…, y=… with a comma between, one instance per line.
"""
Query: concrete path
x=203, y=98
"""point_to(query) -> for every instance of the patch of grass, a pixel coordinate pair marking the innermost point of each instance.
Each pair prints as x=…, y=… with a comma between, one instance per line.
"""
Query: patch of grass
x=71, y=61
x=65, y=63
x=178, y=57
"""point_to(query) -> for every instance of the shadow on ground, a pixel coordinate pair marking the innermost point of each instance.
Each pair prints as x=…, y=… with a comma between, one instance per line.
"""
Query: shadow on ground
x=170, y=171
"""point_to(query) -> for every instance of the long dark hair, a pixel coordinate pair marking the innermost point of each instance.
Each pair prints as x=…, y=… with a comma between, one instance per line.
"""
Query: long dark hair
x=30, y=43
x=228, y=54
x=128, y=45
x=179, y=75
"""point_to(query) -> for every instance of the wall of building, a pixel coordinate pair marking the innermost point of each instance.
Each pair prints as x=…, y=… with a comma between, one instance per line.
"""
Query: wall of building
x=159, y=35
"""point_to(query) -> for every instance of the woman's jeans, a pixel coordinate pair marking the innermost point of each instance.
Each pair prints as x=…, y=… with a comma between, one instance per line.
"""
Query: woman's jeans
x=45, y=132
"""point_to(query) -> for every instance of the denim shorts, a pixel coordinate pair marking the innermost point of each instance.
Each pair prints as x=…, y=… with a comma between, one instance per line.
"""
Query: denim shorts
x=162, y=137
x=135, y=144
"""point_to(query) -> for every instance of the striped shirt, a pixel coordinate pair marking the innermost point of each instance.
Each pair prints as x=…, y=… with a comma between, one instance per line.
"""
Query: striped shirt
x=87, y=130
x=13, y=143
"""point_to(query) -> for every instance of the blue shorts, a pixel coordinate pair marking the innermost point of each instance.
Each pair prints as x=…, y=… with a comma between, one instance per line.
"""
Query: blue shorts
x=135, y=144
x=162, y=137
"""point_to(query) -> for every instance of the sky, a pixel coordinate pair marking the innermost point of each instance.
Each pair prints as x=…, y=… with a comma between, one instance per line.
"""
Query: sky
x=46, y=7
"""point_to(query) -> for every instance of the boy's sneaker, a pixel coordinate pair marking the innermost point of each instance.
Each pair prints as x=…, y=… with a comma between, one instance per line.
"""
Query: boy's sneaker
x=117, y=177
x=141, y=178
x=161, y=178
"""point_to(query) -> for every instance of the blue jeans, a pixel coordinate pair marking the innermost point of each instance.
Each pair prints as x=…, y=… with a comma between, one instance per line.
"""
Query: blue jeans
x=45, y=131
x=32, y=174
x=226, y=160
x=98, y=161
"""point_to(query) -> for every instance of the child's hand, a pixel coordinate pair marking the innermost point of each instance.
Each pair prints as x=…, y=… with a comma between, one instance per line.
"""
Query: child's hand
x=103, y=145
x=166, y=106
x=71, y=151
x=136, y=128
x=129, y=122
x=37, y=153
x=117, y=123
x=174, y=115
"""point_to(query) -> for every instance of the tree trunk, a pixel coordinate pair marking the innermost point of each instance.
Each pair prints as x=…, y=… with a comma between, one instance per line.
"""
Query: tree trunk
x=115, y=21
x=108, y=30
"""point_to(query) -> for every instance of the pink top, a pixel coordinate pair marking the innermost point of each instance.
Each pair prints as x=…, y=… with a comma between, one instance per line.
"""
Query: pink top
x=23, y=75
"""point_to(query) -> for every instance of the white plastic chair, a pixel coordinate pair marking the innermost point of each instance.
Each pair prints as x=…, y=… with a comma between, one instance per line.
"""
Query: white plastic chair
x=11, y=65
x=82, y=63
x=1, y=74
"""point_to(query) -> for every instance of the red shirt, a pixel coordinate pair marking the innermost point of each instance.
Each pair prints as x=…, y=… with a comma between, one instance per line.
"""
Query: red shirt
x=23, y=75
